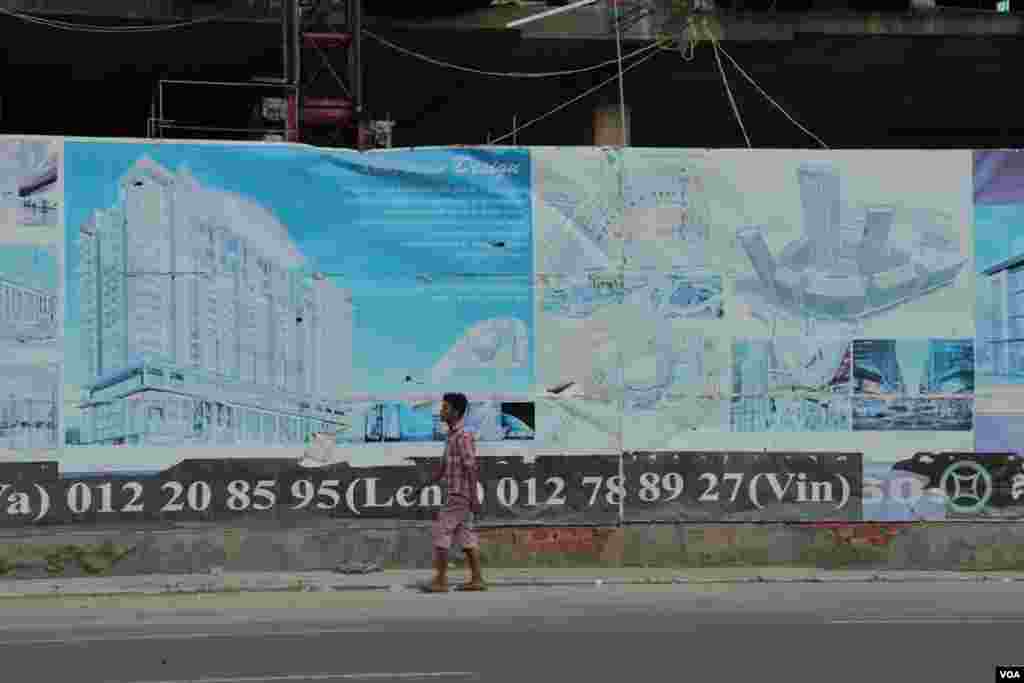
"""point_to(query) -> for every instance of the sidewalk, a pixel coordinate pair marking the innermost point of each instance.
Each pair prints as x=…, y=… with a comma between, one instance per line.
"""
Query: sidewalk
x=498, y=579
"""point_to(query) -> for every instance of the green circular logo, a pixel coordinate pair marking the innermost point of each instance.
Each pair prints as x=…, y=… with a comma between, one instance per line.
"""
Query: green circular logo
x=967, y=486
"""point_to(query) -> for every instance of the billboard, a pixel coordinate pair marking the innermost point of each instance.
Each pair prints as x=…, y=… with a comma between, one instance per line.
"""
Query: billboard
x=228, y=297
x=830, y=251
x=181, y=313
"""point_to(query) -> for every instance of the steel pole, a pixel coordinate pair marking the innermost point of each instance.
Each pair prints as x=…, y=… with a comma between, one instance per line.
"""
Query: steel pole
x=285, y=48
x=296, y=10
x=356, y=63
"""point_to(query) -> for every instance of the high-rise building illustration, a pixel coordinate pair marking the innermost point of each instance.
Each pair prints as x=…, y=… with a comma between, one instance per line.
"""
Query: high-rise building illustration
x=750, y=402
x=751, y=238
x=807, y=392
x=949, y=368
x=847, y=266
x=874, y=240
x=29, y=407
x=1001, y=322
x=876, y=369
x=199, y=323
x=820, y=200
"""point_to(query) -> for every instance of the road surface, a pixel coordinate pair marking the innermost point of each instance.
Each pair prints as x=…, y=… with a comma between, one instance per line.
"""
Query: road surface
x=770, y=632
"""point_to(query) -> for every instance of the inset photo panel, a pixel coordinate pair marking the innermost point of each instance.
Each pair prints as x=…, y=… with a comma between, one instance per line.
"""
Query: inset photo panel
x=913, y=385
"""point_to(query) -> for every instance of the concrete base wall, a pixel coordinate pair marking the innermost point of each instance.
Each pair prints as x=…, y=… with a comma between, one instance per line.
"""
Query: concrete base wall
x=403, y=545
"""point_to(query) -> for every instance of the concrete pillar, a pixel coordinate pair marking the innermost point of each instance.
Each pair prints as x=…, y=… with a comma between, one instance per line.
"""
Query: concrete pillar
x=608, y=125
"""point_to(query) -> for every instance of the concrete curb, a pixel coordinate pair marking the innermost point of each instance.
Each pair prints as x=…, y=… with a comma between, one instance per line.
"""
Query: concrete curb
x=404, y=581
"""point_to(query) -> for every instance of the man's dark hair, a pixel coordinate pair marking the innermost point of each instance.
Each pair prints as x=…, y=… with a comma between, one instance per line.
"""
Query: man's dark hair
x=458, y=402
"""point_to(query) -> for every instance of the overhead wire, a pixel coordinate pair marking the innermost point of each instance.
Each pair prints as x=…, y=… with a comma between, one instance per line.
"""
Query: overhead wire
x=622, y=81
x=686, y=51
x=582, y=95
x=728, y=91
x=770, y=99
x=506, y=74
x=97, y=28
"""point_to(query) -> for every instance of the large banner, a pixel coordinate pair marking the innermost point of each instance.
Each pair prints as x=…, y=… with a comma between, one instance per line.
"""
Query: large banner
x=548, y=490
x=841, y=321
x=250, y=297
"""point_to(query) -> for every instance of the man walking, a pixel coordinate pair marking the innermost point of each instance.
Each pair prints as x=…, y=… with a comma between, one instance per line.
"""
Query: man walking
x=459, y=470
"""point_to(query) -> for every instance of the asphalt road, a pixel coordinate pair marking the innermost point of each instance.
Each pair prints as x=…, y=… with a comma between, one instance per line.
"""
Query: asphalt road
x=785, y=632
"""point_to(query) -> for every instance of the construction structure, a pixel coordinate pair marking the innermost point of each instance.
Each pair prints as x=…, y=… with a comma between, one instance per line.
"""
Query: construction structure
x=317, y=99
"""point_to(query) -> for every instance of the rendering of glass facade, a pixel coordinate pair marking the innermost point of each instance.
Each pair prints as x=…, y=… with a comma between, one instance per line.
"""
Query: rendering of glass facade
x=200, y=323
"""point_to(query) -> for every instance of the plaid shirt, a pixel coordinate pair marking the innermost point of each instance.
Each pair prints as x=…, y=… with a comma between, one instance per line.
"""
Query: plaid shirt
x=460, y=469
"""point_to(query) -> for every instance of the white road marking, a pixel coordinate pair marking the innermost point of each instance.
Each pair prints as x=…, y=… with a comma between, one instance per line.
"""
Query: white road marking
x=119, y=637
x=933, y=620
x=272, y=678
x=112, y=622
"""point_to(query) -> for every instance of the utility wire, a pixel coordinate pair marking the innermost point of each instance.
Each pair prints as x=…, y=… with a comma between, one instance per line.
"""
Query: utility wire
x=579, y=97
x=95, y=28
x=506, y=74
x=728, y=92
x=769, y=98
x=622, y=81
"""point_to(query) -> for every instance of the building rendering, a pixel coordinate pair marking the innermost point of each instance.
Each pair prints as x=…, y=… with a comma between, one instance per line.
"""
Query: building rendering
x=846, y=268
x=27, y=314
x=820, y=202
x=200, y=325
x=810, y=395
x=949, y=368
x=876, y=369
x=884, y=401
x=29, y=407
x=1001, y=323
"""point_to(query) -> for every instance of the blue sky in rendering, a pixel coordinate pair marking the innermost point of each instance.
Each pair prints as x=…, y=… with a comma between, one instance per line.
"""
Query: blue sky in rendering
x=430, y=242
x=998, y=233
x=29, y=266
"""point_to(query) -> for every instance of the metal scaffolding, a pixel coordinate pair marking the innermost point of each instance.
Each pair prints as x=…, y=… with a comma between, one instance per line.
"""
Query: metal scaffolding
x=318, y=37
x=161, y=127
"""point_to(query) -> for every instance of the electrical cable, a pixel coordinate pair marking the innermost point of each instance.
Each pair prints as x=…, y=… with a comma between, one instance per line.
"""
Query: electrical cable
x=579, y=97
x=107, y=28
x=506, y=74
x=769, y=98
x=95, y=28
x=728, y=92
x=622, y=81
